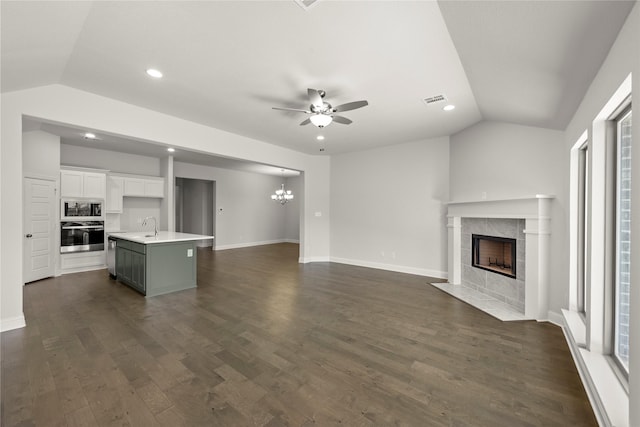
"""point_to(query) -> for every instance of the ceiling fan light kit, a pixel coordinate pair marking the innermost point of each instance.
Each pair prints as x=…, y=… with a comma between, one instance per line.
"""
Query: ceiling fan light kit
x=321, y=112
x=321, y=120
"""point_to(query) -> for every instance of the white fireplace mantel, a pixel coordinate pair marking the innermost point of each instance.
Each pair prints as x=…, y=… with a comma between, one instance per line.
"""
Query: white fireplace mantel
x=536, y=211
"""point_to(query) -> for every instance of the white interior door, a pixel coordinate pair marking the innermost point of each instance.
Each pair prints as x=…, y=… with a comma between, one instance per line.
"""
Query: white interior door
x=39, y=229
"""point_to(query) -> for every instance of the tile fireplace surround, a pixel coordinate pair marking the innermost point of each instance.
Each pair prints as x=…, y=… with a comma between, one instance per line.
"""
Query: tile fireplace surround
x=534, y=213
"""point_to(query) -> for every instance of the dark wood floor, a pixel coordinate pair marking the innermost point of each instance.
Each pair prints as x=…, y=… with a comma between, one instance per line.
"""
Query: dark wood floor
x=267, y=341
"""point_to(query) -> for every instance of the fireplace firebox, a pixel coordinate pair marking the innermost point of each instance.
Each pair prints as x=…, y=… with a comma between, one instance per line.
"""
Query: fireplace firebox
x=495, y=254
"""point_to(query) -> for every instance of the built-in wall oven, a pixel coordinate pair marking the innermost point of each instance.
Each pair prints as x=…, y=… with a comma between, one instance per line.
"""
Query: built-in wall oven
x=81, y=236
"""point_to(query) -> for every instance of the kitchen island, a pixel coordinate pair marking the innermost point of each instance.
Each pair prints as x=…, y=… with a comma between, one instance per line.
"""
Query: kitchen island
x=157, y=264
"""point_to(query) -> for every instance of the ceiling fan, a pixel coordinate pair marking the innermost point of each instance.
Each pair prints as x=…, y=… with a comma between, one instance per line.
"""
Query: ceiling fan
x=321, y=112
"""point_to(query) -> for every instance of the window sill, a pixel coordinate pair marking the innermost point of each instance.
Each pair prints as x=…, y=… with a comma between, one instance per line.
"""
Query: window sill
x=607, y=395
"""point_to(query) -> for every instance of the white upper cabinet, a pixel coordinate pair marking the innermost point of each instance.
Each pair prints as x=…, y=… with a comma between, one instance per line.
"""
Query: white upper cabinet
x=133, y=187
x=94, y=185
x=143, y=186
x=115, y=190
x=91, y=185
x=154, y=188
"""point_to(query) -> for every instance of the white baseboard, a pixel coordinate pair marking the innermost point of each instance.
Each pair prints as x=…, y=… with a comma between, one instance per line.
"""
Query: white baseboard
x=392, y=267
x=249, y=244
x=306, y=260
x=82, y=269
x=12, y=323
x=555, y=318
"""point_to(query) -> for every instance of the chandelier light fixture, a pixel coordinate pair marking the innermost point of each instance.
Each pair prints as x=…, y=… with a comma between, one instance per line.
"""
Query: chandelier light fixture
x=281, y=195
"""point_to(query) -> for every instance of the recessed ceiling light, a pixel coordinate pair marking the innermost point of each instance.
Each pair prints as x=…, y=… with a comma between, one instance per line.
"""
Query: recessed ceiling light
x=89, y=135
x=320, y=138
x=448, y=107
x=171, y=150
x=154, y=73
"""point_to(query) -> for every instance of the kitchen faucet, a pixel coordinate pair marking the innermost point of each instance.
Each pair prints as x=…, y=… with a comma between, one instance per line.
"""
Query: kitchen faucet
x=155, y=224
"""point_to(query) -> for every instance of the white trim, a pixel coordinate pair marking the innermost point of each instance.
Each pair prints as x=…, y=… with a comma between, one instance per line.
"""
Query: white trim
x=555, y=318
x=12, y=323
x=573, y=218
x=249, y=244
x=536, y=212
x=306, y=260
x=42, y=177
x=81, y=269
x=391, y=267
x=608, y=398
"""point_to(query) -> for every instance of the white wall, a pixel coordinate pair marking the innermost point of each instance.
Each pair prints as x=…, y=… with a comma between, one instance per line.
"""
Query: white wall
x=248, y=216
x=388, y=207
x=504, y=161
x=623, y=58
x=508, y=161
x=41, y=155
x=61, y=104
x=291, y=216
x=136, y=209
x=89, y=157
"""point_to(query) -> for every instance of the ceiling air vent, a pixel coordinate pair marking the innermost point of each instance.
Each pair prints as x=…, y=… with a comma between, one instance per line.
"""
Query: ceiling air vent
x=307, y=4
x=434, y=99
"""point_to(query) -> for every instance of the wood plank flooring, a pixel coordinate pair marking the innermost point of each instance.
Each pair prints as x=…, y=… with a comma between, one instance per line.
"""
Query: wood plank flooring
x=265, y=341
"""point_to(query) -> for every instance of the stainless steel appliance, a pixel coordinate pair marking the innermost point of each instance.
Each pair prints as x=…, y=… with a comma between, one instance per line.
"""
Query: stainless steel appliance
x=111, y=256
x=81, y=236
x=84, y=210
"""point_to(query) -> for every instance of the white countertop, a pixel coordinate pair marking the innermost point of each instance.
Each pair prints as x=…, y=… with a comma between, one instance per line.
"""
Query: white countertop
x=147, y=237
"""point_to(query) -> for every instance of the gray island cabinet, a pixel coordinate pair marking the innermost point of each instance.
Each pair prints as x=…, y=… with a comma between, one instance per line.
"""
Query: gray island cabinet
x=156, y=265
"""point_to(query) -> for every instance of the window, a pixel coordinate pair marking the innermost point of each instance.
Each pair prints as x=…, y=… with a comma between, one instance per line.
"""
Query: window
x=583, y=221
x=622, y=280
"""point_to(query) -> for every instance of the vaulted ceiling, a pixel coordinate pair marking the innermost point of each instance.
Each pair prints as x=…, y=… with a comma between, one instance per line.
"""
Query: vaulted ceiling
x=226, y=63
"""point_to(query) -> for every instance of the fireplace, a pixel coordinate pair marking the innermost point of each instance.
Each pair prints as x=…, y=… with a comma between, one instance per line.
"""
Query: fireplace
x=495, y=254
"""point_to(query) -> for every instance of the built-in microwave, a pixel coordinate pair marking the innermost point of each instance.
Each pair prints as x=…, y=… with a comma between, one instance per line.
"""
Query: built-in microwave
x=79, y=209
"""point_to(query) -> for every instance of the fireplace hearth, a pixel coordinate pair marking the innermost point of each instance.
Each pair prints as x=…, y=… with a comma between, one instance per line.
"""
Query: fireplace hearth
x=495, y=254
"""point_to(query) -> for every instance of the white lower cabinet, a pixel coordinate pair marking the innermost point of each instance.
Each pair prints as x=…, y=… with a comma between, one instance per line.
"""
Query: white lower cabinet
x=83, y=261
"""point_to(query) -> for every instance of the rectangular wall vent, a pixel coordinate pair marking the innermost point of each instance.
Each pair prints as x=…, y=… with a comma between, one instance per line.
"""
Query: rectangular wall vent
x=307, y=4
x=434, y=99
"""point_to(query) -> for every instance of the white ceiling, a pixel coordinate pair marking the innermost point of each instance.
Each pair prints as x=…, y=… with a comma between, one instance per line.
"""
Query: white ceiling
x=226, y=63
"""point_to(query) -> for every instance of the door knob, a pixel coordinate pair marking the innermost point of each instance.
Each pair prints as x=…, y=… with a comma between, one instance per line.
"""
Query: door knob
x=28, y=236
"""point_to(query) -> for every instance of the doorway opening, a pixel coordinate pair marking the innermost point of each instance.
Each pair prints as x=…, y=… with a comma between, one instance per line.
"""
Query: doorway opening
x=195, y=204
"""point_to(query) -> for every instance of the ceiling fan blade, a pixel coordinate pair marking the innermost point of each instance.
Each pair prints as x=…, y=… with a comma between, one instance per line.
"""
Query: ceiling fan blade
x=350, y=106
x=342, y=120
x=306, y=122
x=291, y=109
x=315, y=98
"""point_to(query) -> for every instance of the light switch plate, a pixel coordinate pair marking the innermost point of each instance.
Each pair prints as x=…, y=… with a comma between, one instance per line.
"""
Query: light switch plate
x=189, y=253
